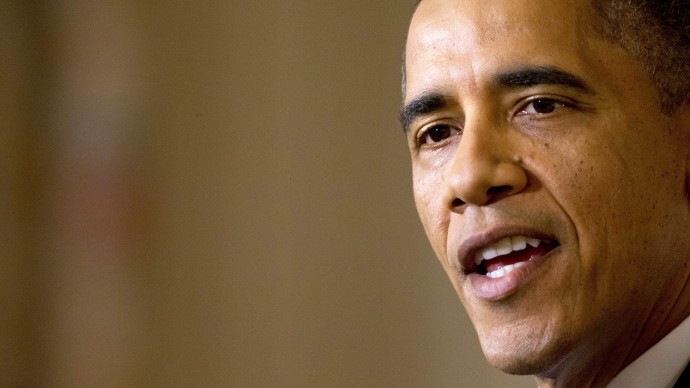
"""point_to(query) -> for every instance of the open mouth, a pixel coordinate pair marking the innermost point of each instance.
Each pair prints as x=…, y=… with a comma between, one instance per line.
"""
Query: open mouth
x=502, y=257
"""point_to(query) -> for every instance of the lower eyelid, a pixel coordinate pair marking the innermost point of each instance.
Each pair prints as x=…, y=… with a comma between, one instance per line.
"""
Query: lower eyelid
x=454, y=132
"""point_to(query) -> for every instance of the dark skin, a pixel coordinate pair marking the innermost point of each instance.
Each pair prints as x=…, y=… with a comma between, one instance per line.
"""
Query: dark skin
x=523, y=124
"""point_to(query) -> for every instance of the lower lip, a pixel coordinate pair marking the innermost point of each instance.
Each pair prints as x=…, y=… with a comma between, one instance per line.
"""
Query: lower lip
x=498, y=289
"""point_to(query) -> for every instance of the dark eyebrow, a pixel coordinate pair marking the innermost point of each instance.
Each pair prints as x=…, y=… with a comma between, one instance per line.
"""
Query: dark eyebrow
x=542, y=75
x=428, y=102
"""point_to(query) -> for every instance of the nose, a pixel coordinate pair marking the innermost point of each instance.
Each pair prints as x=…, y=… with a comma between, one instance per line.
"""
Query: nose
x=484, y=169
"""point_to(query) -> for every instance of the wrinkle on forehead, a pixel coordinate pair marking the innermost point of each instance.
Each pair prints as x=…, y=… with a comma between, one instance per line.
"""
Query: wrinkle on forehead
x=446, y=33
x=435, y=39
x=486, y=22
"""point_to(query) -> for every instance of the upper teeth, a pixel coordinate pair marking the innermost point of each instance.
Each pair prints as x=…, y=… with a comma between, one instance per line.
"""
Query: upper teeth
x=505, y=246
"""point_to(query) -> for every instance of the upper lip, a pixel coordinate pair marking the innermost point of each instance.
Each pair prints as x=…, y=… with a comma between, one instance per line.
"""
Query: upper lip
x=471, y=245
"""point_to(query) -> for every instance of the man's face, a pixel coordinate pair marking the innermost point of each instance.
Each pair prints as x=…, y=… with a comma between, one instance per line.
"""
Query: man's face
x=535, y=140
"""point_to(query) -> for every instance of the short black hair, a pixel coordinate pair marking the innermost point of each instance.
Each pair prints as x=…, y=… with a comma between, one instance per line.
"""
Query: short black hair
x=657, y=33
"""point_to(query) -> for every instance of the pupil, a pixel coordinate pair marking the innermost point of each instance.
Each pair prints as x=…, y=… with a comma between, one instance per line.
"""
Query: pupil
x=439, y=133
x=544, y=106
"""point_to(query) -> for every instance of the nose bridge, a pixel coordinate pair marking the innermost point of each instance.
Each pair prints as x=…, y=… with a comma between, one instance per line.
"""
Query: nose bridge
x=485, y=167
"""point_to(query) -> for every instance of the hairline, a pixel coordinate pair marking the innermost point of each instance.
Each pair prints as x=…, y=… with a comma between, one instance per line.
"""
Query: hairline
x=618, y=30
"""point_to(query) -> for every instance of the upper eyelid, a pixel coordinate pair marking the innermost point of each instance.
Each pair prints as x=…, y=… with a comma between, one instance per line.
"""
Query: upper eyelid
x=424, y=131
x=559, y=99
x=522, y=105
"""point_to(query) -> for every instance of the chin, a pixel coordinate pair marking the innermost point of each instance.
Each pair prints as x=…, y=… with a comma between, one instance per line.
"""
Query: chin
x=524, y=357
x=516, y=365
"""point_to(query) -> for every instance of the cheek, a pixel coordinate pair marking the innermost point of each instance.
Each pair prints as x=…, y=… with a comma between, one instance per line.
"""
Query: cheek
x=619, y=195
x=592, y=191
x=432, y=212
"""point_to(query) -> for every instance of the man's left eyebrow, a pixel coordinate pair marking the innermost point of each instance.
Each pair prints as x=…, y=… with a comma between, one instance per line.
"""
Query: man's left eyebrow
x=542, y=75
x=427, y=103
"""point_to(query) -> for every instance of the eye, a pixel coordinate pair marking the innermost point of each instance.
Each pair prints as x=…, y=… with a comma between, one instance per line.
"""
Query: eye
x=436, y=134
x=541, y=106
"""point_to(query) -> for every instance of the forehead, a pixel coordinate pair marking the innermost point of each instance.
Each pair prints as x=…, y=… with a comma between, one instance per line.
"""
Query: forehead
x=449, y=38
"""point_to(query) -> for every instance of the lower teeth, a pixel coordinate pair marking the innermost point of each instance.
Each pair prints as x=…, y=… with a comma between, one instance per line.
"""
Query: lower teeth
x=503, y=271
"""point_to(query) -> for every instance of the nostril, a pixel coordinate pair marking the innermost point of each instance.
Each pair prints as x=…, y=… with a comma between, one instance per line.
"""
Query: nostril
x=479, y=180
x=497, y=191
x=492, y=194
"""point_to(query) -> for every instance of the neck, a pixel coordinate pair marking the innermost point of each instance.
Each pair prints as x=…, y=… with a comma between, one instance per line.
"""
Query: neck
x=581, y=370
x=585, y=370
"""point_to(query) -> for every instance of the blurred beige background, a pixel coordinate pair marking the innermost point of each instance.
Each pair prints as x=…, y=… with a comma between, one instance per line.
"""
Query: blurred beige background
x=215, y=194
